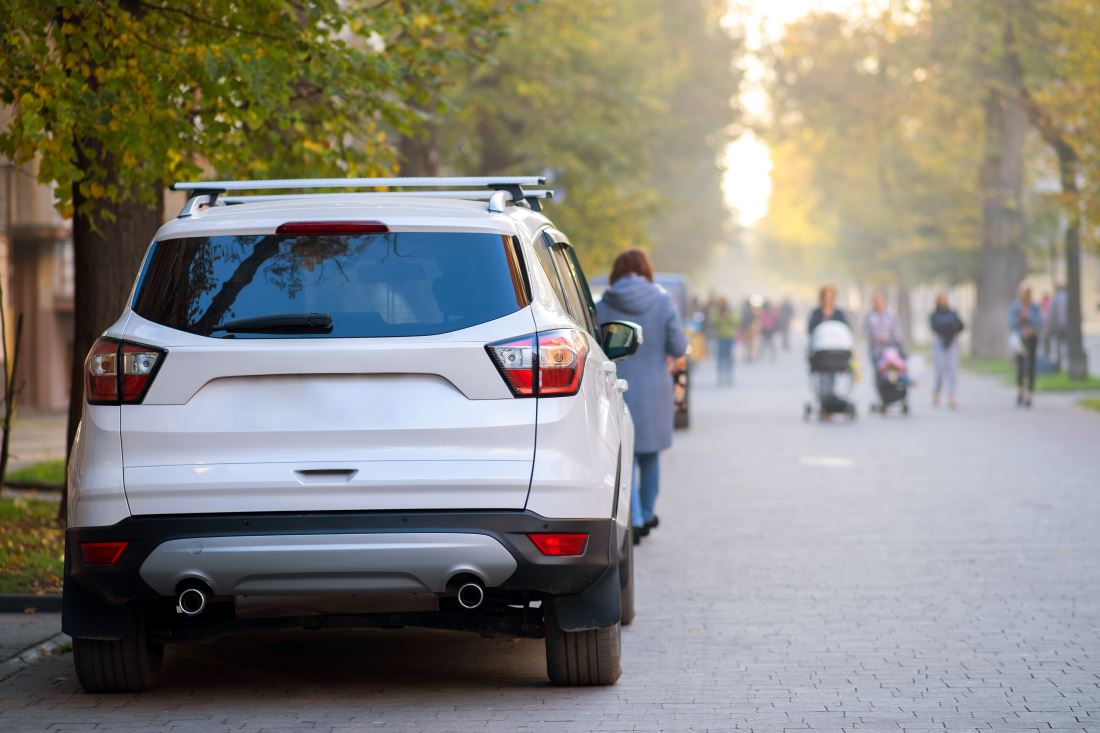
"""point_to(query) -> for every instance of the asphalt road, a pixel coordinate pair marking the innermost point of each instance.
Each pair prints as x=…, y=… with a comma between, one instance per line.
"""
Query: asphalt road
x=932, y=573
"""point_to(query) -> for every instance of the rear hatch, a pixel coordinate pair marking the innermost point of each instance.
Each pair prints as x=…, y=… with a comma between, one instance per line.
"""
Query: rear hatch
x=328, y=371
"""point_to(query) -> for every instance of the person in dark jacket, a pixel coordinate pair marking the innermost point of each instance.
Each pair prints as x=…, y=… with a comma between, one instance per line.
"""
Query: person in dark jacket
x=826, y=309
x=632, y=296
x=946, y=325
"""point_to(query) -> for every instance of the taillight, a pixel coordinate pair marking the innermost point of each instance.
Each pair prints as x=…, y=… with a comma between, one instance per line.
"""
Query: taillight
x=516, y=361
x=559, y=544
x=102, y=553
x=117, y=372
x=554, y=369
x=561, y=362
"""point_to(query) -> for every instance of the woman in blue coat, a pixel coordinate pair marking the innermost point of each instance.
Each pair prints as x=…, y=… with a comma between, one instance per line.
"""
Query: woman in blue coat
x=632, y=296
x=1026, y=322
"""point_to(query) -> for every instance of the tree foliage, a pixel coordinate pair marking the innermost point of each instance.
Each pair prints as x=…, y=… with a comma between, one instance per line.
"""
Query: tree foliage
x=630, y=103
x=119, y=97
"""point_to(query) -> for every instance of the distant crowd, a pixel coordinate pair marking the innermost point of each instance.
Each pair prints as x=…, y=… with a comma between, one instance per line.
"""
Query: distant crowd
x=757, y=325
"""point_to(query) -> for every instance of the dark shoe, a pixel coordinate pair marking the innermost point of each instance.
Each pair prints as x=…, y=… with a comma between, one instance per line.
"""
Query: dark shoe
x=637, y=537
x=640, y=532
x=652, y=523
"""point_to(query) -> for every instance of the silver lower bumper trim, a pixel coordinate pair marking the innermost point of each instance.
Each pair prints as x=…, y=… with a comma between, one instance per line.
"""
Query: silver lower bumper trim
x=327, y=563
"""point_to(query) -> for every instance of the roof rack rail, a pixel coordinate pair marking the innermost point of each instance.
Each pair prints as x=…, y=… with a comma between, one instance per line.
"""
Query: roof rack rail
x=528, y=196
x=207, y=192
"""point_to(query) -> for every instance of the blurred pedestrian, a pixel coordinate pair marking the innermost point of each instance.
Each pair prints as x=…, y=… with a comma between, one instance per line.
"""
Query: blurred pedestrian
x=786, y=315
x=632, y=296
x=1026, y=322
x=826, y=309
x=725, y=335
x=769, y=324
x=881, y=329
x=748, y=331
x=946, y=325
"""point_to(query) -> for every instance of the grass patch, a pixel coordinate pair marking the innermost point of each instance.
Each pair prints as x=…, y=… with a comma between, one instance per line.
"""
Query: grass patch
x=1090, y=403
x=1059, y=382
x=44, y=473
x=1062, y=383
x=31, y=546
x=989, y=366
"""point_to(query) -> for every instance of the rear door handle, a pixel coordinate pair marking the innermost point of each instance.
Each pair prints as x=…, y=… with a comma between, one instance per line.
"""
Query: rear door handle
x=325, y=475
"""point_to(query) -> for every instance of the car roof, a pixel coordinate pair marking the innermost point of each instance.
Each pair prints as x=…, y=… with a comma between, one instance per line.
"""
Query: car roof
x=398, y=213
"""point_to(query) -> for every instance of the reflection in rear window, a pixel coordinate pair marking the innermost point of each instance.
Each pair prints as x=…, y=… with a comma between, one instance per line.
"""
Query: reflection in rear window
x=373, y=285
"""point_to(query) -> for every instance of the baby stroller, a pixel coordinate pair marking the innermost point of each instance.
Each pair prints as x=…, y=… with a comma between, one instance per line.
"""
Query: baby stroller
x=891, y=380
x=831, y=375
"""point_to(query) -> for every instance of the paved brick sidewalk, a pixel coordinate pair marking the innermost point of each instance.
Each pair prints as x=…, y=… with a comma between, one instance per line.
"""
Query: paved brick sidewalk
x=936, y=573
x=19, y=631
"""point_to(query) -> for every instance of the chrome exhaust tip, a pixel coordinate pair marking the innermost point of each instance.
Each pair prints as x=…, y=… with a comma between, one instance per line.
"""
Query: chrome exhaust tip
x=470, y=595
x=191, y=602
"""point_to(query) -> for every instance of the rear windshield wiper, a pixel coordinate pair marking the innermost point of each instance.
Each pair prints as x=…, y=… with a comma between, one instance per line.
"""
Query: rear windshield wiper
x=280, y=323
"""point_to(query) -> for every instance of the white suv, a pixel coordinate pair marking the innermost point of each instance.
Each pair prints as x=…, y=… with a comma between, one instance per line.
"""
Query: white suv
x=367, y=409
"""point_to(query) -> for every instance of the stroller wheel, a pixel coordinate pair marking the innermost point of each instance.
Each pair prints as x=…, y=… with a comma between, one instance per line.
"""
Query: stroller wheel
x=904, y=408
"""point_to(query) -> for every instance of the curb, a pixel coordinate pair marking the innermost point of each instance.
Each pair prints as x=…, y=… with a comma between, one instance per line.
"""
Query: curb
x=20, y=603
x=48, y=648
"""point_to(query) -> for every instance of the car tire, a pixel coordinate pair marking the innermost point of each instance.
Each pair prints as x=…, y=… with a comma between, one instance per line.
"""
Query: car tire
x=587, y=658
x=626, y=580
x=130, y=664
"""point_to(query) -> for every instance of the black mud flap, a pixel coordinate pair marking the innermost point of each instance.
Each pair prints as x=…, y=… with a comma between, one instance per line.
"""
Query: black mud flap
x=594, y=608
x=84, y=616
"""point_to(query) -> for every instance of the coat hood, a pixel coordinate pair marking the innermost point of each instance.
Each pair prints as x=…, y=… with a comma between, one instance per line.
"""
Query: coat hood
x=632, y=294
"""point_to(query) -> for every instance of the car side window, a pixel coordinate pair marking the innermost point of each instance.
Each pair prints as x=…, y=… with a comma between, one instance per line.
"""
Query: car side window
x=582, y=285
x=543, y=245
x=575, y=302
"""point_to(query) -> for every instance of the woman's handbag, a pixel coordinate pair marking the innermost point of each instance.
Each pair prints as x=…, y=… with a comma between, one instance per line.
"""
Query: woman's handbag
x=1015, y=343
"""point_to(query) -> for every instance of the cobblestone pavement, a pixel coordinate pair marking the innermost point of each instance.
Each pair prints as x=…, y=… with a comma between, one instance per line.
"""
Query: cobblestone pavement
x=933, y=573
x=23, y=630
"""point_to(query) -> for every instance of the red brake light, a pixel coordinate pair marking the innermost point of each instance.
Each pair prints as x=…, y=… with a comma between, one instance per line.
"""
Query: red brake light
x=515, y=359
x=561, y=362
x=559, y=544
x=117, y=372
x=102, y=553
x=101, y=372
x=332, y=227
x=555, y=370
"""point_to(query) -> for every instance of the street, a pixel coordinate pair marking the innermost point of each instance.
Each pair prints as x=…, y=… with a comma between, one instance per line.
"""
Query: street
x=930, y=573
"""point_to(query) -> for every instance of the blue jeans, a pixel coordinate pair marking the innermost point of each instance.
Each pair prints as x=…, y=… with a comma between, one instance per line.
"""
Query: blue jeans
x=725, y=361
x=643, y=495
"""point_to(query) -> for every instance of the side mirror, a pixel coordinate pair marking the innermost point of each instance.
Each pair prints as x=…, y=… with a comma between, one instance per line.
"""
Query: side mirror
x=620, y=339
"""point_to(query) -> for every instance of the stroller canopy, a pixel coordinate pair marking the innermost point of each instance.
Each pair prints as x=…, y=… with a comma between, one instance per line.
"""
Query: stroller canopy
x=832, y=336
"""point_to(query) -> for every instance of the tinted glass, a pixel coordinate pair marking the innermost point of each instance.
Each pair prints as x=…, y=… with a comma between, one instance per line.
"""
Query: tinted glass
x=397, y=284
x=582, y=286
x=573, y=301
x=542, y=248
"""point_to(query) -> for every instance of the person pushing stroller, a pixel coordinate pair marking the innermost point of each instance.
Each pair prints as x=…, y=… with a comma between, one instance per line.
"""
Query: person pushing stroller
x=887, y=354
x=830, y=356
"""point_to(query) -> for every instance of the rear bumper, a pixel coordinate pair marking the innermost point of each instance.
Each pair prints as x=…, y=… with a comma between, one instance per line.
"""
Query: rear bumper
x=269, y=554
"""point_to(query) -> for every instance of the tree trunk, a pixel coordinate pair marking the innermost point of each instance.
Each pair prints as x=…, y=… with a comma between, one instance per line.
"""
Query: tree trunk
x=1078, y=367
x=1002, y=259
x=109, y=241
x=419, y=151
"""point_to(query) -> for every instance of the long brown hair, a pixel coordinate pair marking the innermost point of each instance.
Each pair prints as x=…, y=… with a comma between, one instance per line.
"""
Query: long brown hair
x=631, y=262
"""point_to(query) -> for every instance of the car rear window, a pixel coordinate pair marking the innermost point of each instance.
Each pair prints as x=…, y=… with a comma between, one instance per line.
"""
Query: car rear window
x=373, y=285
